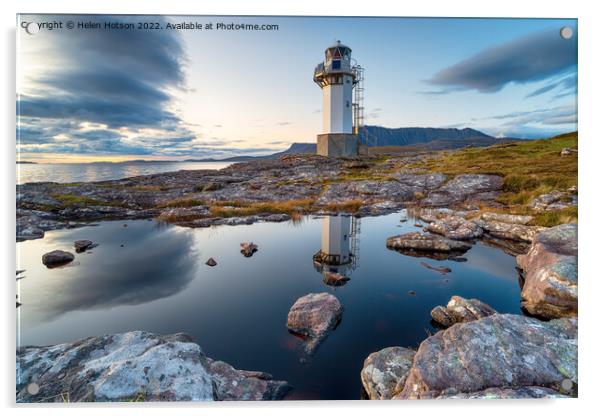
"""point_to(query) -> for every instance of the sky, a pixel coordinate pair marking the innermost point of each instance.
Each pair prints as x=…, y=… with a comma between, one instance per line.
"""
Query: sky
x=88, y=95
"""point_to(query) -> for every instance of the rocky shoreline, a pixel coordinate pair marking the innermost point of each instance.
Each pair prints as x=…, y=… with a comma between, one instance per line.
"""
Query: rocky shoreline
x=273, y=190
x=484, y=354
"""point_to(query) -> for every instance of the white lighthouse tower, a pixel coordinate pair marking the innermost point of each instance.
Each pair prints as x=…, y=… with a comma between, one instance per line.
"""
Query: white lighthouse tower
x=337, y=77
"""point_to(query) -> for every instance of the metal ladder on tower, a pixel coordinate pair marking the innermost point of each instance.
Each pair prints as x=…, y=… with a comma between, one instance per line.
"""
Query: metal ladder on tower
x=354, y=241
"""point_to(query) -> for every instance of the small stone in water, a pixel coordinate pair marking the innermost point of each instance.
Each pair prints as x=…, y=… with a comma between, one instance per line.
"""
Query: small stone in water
x=211, y=262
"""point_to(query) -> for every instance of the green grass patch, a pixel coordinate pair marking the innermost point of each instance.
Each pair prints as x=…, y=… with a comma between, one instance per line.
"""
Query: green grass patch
x=71, y=200
x=530, y=168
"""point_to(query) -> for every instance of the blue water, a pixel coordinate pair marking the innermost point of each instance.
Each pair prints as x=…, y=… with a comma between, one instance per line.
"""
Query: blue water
x=237, y=310
x=102, y=171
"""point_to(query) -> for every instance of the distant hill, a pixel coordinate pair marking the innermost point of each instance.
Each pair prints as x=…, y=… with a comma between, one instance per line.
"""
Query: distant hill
x=411, y=138
x=439, y=138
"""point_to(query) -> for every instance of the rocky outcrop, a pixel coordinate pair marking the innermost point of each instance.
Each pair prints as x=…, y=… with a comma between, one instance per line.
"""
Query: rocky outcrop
x=57, y=258
x=419, y=244
x=509, y=231
x=512, y=354
x=528, y=392
x=135, y=366
x=459, y=310
x=474, y=187
x=313, y=316
x=550, y=273
x=506, y=218
x=554, y=200
x=384, y=373
x=456, y=228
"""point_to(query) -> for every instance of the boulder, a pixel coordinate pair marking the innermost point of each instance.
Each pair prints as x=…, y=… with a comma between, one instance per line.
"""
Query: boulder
x=82, y=245
x=57, y=258
x=384, y=373
x=419, y=242
x=313, y=316
x=500, y=351
x=135, y=366
x=550, y=273
x=459, y=310
x=247, y=249
x=211, y=262
x=456, y=228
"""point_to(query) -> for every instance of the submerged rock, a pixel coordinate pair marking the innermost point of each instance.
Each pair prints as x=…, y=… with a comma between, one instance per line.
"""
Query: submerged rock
x=384, y=373
x=335, y=279
x=313, y=316
x=57, y=258
x=247, y=249
x=550, y=273
x=459, y=310
x=456, y=228
x=506, y=352
x=132, y=366
x=416, y=243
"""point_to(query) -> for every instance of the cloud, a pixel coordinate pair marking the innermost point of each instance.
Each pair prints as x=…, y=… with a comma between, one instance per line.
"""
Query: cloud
x=538, y=123
x=564, y=86
x=530, y=58
x=120, y=80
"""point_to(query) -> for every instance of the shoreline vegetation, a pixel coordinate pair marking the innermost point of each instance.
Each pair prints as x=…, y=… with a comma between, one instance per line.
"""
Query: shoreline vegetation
x=518, y=196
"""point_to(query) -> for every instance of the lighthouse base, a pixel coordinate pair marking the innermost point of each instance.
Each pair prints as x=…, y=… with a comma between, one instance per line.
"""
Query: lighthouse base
x=338, y=145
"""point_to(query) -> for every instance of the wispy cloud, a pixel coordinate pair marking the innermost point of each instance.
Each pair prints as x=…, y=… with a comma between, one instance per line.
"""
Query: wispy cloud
x=530, y=58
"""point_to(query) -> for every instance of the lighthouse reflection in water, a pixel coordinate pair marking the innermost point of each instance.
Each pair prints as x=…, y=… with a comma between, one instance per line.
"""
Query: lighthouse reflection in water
x=339, y=252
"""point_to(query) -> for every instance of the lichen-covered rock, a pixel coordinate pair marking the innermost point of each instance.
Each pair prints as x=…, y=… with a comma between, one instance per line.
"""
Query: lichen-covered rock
x=475, y=187
x=459, y=310
x=232, y=384
x=529, y=392
x=509, y=231
x=499, y=351
x=456, y=228
x=313, y=316
x=57, y=258
x=426, y=242
x=385, y=372
x=507, y=218
x=550, y=273
x=135, y=366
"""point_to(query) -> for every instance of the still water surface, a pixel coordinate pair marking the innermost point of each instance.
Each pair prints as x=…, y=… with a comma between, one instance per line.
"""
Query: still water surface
x=237, y=310
x=102, y=171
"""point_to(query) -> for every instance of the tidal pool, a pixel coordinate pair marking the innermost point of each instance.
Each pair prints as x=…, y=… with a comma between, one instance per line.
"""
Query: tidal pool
x=152, y=276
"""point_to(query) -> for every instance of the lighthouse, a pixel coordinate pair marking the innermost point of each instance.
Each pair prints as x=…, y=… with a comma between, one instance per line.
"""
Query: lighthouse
x=337, y=77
